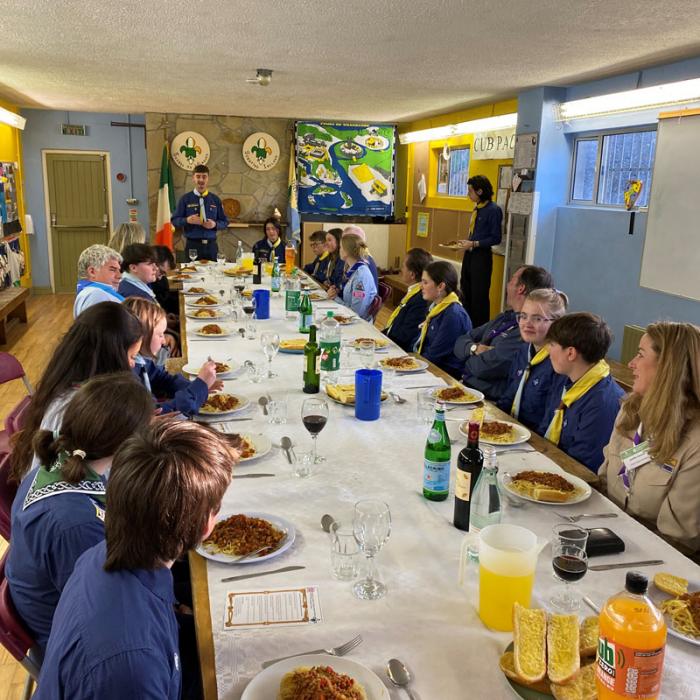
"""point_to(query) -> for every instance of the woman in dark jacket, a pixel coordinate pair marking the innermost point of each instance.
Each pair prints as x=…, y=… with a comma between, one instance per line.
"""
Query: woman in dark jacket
x=273, y=241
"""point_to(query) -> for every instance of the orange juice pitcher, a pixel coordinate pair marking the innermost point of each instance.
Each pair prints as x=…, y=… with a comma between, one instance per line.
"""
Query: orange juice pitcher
x=631, y=645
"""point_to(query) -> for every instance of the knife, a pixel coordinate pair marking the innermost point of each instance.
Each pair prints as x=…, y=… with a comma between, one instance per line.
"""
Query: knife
x=628, y=565
x=262, y=573
x=251, y=476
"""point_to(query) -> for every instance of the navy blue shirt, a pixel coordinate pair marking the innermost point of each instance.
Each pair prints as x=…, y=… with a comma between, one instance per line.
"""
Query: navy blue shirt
x=541, y=381
x=404, y=330
x=262, y=248
x=114, y=636
x=189, y=205
x=335, y=273
x=48, y=536
x=488, y=371
x=172, y=391
x=128, y=289
x=588, y=422
x=318, y=269
x=488, y=225
x=439, y=341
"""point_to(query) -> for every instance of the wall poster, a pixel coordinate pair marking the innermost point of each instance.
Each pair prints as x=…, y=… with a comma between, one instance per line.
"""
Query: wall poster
x=345, y=169
x=9, y=212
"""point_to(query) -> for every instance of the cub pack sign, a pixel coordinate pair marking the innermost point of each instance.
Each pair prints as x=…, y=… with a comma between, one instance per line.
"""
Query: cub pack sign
x=492, y=145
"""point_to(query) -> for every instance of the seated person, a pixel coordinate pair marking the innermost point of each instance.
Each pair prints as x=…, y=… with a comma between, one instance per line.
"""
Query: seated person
x=58, y=511
x=127, y=234
x=531, y=375
x=446, y=319
x=403, y=324
x=662, y=412
x=271, y=244
x=579, y=416
x=115, y=633
x=165, y=261
x=318, y=269
x=353, y=230
x=139, y=270
x=105, y=338
x=172, y=391
x=99, y=272
x=488, y=351
x=358, y=290
x=336, y=266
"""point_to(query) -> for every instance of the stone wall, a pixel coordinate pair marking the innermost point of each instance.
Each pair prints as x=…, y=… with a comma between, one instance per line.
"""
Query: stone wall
x=258, y=192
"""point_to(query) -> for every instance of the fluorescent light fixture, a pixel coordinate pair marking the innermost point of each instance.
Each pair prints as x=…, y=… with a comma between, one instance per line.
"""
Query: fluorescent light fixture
x=7, y=117
x=631, y=100
x=504, y=121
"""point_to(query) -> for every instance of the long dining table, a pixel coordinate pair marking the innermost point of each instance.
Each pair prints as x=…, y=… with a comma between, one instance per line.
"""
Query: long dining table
x=427, y=618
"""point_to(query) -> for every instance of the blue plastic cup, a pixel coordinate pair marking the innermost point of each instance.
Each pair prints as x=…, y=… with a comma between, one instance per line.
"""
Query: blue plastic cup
x=368, y=393
x=262, y=303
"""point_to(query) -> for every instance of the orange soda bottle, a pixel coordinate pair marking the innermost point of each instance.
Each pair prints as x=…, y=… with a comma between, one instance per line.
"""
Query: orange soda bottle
x=631, y=646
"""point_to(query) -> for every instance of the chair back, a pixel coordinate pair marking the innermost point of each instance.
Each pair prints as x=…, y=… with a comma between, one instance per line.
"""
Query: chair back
x=384, y=291
x=16, y=419
x=10, y=368
x=8, y=491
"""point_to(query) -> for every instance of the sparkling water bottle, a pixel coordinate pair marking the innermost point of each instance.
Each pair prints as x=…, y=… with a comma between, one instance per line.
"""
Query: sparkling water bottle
x=292, y=296
x=486, y=500
x=330, y=349
x=239, y=254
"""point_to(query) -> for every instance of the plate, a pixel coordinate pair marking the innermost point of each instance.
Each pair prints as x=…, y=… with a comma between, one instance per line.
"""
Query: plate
x=318, y=295
x=348, y=319
x=478, y=396
x=189, y=293
x=422, y=365
x=585, y=489
x=659, y=596
x=193, y=368
x=261, y=443
x=218, y=313
x=450, y=247
x=192, y=305
x=266, y=684
x=227, y=332
x=522, y=691
x=214, y=417
x=380, y=344
x=522, y=434
x=280, y=523
x=384, y=397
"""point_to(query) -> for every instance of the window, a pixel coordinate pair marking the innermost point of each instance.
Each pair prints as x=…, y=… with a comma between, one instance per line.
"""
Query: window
x=605, y=163
x=453, y=174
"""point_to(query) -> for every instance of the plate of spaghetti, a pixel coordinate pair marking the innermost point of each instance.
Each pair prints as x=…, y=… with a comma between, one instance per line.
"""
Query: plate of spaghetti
x=457, y=395
x=498, y=432
x=218, y=405
x=241, y=533
x=682, y=610
x=546, y=486
x=405, y=363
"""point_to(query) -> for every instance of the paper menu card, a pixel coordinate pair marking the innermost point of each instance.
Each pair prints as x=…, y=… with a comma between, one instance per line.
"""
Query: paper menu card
x=272, y=607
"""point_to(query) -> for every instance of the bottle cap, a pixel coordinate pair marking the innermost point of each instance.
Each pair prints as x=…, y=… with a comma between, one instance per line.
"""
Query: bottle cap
x=636, y=582
x=329, y=314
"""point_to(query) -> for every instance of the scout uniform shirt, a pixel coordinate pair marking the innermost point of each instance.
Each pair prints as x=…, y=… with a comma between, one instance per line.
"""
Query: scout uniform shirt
x=189, y=204
x=114, y=636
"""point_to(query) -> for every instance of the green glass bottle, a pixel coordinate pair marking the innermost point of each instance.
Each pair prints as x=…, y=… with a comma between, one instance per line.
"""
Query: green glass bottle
x=312, y=355
x=306, y=313
x=276, y=277
x=438, y=455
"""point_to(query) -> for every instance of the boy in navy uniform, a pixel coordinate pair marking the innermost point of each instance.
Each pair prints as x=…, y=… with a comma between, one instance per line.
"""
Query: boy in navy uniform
x=318, y=269
x=201, y=214
x=115, y=632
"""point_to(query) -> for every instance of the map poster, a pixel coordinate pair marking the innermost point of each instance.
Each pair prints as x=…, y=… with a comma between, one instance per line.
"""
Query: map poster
x=345, y=169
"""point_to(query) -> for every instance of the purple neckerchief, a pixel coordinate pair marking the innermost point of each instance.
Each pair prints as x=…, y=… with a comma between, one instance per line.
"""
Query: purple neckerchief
x=623, y=470
x=499, y=330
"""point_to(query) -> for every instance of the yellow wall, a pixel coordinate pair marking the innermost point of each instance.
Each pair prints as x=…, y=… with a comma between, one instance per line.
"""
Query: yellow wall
x=11, y=150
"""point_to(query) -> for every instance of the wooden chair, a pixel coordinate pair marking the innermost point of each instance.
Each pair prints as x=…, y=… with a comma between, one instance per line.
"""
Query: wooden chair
x=383, y=293
x=10, y=370
x=8, y=490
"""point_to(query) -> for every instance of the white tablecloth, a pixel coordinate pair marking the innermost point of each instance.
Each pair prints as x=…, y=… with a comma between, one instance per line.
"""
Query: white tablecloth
x=427, y=620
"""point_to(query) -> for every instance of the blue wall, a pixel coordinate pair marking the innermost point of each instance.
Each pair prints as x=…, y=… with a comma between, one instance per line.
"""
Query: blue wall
x=588, y=249
x=43, y=131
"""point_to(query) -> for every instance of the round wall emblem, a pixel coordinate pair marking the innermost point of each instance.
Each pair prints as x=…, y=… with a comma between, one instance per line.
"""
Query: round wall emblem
x=188, y=149
x=261, y=151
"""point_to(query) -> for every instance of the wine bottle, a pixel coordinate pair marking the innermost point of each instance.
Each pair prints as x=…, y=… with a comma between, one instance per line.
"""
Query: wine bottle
x=312, y=353
x=257, y=271
x=438, y=455
x=469, y=465
x=305, y=312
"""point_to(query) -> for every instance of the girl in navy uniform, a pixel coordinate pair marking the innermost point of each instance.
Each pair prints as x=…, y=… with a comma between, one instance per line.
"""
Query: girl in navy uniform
x=446, y=319
x=580, y=415
x=115, y=633
x=358, y=289
x=336, y=266
x=58, y=512
x=139, y=270
x=403, y=324
x=532, y=376
x=172, y=391
x=271, y=243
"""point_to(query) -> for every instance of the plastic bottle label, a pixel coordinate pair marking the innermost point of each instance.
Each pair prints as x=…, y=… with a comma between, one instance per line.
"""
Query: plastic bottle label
x=330, y=356
x=628, y=672
x=292, y=299
x=463, y=484
x=436, y=476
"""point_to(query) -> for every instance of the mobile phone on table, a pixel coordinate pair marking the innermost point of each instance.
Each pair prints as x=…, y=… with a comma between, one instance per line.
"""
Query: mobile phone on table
x=602, y=540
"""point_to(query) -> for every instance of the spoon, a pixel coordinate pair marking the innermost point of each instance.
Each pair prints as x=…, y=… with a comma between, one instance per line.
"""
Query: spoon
x=399, y=676
x=263, y=402
x=288, y=447
x=397, y=399
x=242, y=332
x=327, y=522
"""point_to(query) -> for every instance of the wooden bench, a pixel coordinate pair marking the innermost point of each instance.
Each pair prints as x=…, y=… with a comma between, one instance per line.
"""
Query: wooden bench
x=398, y=288
x=622, y=374
x=13, y=304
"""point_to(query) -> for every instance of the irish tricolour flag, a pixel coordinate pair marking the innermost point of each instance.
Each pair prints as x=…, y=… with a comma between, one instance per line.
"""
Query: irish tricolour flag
x=166, y=203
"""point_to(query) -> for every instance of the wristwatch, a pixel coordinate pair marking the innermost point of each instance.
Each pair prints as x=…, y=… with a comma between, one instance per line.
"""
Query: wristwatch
x=472, y=348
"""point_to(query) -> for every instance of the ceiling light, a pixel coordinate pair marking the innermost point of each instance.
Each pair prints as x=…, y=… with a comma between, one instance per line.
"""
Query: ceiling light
x=503, y=121
x=631, y=100
x=7, y=117
x=262, y=77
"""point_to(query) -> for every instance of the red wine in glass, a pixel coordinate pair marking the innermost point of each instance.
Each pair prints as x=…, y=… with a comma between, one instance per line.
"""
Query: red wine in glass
x=569, y=568
x=315, y=424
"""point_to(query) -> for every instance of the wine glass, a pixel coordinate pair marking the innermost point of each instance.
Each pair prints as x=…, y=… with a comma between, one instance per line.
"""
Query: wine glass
x=314, y=415
x=270, y=344
x=570, y=563
x=371, y=526
x=249, y=311
x=192, y=253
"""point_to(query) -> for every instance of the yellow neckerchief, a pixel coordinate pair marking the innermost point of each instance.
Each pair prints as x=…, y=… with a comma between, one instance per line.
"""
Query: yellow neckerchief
x=579, y=388
x=275, y=244
x=472, y=220
x=323, y=255
x=203, y=194
x=540, y=356
x=412, y=291
x=319, y=260
x=451, y=298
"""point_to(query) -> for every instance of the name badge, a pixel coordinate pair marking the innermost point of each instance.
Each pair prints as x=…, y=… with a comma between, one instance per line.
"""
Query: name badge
x=636, y=456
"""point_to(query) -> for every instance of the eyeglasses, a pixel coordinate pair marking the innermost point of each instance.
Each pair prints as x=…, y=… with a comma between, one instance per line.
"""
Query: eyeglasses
x=535, y=318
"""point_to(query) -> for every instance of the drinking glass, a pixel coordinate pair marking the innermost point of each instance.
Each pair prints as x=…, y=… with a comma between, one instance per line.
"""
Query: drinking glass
x=302, y=464
x=365, y=353
x=257, y=372
x=371, y=525
x=570, y=563
x=249, y=311
x=426, y=406
x=345, y=553
x=314, y=415
x=192, y=253
x=270, y=344
x=220, y=260
x=277, y=411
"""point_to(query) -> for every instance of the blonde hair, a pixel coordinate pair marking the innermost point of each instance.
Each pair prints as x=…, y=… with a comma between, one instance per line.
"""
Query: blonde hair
x=150, y=315
x=354, y=246
x=553, y=300
x=673, y=398
x=127, y=234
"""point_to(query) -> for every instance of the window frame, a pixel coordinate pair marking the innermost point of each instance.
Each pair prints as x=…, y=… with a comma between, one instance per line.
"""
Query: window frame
x=599, y=137
x=438, y=153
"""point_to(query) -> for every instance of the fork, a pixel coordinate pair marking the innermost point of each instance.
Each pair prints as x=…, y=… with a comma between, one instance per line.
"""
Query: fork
x=333, y=651
x=576, y=518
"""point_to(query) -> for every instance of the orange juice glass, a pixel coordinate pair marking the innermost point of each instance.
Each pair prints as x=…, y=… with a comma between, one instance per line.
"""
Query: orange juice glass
x=290, y=255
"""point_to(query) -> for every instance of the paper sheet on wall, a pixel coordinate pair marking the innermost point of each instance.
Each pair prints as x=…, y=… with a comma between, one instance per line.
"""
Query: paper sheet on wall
x=422, y=188
x=502, y=198
x=273, y=607
x=525, y=152
x=520, y=203
x=505, y=176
